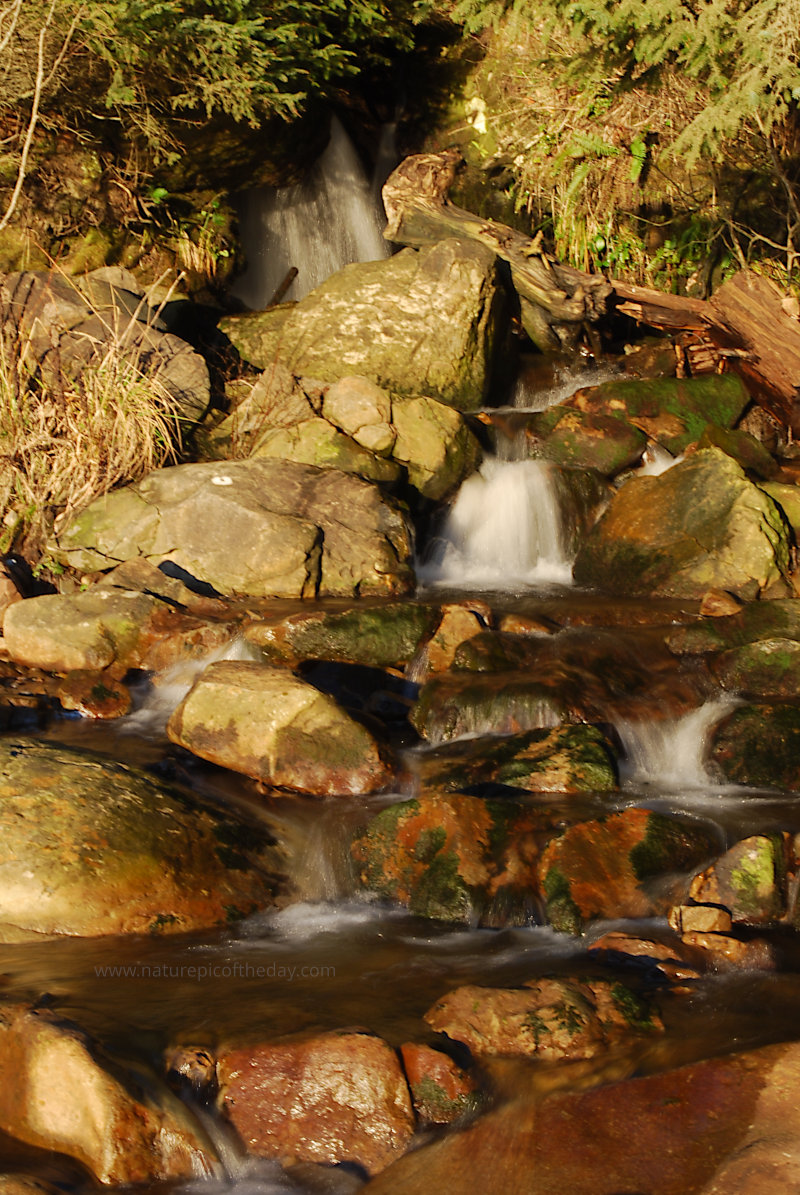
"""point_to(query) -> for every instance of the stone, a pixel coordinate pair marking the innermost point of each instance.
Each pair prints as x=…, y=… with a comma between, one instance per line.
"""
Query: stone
x=362, y=410
x=759, y=745
x=95, y=695
x=88, y=850
x=58, y=1092
x=665, y=959
x=442, y=1092
x=750, y=623
x=453, y=857
x=603, y=868
x=700, y=525
x=385, y=636
x=443, y=301
x=749, y=881
x=9, y=594
x=337, y=1097
x=753, y=457
x=316, y=442
x=259, y=528
x=700, y=918
x=273, y=727
x=452, y=705
x=547, y=1019
x=580, y=439
x=728, y=953
x=435, y=445
x=767, y=668
x=459, y=622
x=718, y=603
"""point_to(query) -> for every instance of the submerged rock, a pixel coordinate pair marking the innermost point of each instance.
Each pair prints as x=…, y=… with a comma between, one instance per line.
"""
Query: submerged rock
x=606, y=868
x=699, y=526
x=547, y=1018
x=454, y=857
x=260, y=528
x=337, y=1097
x=760, y=745
x=59, y=1093
x=443, y=301
x=91, y=847
x=269, y=725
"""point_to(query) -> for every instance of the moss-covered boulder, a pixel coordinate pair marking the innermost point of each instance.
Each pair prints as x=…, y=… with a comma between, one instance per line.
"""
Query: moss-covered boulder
x=751, y=623
x=672, y=411
x=454, y=857
x=759, y=744
x=441, y=1090
x=746, y=450
x=91, y=847
x=453, y=704
x=443, y=301
x=268, y=724
x=261, y=528
x=701, y=525
x=548, y=1019
x=316, y=442
x=565, y=759
x=749, y=880
x=581, y=439
x=768, y=668
x=385, y=636
x=605, y=868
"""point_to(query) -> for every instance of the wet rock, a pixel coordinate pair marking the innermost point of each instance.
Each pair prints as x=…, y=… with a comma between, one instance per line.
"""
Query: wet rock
x=140, y=576
x=459, y=622
x=258, y=527
x=441, y=1090
x=672, y=411
x=58, y=1092
x=607, y=868
x=95, y=695
x=453, y=705
x=443, y=300
x=192, y=1066
x=751, y=623
x=24, y=1184
x=749, y=881
x=566, y=759
x=728, y=953
x=382, y=636
x=768, y=668
x=584, y=440
x=752, y=456
x=89, y=848
x=668, y=960
x=434, y=444
x=547, y=1018
x=267, y=724
x=718, y=603
x=727, y=1126
x=338, y=1097
x=787, y=497
x=759, y=744
x=701, y=525
x=454, y=857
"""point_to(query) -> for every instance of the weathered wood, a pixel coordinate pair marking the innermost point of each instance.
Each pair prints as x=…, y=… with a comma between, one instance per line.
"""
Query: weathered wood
x=658, y=309
x=555, y=300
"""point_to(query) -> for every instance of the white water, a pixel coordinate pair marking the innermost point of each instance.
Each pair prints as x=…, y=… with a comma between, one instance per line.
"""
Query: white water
x=656, y=460
x=567, y=380
x=671, y=754
x=503, y=531
x=317, y=226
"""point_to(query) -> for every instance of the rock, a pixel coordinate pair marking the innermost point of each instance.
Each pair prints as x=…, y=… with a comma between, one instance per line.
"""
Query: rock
x=603, y=868
x=259, y=528
x=752, y=456
x=787, y=497
x=749, y=881
x=88, y=848
x=580, y=439
x=362, y=410
x=700, y=525
x=547, y=1018
x=700, y=919
x=667, y=960
x=750, y=623
x=566, y=759
x=768, y=668
x=459, y=622
x=9, y=594
x=337, y=1097
x=24, y=1184
x=435, y=445
x=267, y=724
x=94, y=695
x=382, y=636
x=759, y=745
x=316, y=442
x=443, y=301
x=85, y=631
x=452, y=705
x=728, y=953
x=718, y=603
x=59, y=1093
x=726, y=1126
x=453, y=857
x=441, y=1091
x=672, y=411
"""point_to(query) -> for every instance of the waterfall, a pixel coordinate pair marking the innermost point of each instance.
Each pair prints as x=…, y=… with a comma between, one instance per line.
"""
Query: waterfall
x=671, y=753
x=503, y=530
x=317, y=226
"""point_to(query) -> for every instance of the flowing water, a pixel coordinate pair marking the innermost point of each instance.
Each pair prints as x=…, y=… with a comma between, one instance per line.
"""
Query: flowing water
x=335, y=958
x=315, y=227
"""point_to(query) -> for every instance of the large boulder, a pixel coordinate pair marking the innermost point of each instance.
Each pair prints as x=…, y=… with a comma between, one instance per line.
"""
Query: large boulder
x=58, y=1092
x=269, y=725
x=336, y=1097
x=759, y=744
x=701, y=525
x=417, y=323
x=89, y=847
x=258, y=527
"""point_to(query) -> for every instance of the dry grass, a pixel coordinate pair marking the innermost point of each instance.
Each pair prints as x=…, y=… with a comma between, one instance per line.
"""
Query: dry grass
x=66, y=441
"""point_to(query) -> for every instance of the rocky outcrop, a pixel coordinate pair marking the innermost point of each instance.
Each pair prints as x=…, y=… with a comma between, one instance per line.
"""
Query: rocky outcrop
x=59, y=1093
x=269, y=725
x=91, y=847
x=261, y=528
x=415, y=324
x=338, y=1097
x=699, y=526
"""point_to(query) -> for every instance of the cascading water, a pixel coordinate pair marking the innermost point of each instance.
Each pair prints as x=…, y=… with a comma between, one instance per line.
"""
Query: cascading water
x=670, y=754
x=316, y=227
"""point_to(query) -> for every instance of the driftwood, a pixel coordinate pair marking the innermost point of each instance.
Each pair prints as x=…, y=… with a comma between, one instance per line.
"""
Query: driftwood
x=556, y=301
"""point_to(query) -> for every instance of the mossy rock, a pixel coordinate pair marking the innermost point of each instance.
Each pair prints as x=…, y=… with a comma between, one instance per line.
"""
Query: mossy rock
x=453, y=705
x=759, y=745
x=768, y=668
x=746, y=450
x=579, y=439
x=383, y=636
x=754, y=622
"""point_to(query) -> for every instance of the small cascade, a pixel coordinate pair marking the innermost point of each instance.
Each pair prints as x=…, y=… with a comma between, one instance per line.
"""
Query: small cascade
x=657, y=460
x=503, y=531
x=316, y=227
x=533, y=392
x=670, y=754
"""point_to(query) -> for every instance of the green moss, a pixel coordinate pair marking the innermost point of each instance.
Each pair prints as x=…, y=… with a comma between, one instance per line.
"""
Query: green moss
x=435, y=1104
x=759, y=873
x=635, y=1010
x=668, y=845
x=562, y=911
x=441, y=892
x=429, y=843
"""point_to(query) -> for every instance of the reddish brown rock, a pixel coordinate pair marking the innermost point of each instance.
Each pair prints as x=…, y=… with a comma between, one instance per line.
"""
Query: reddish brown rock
x=339, y=1097
x=669, y=959
x=440, y=1089
x=94, y=694
x=749, y=880
x=547, y=1018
